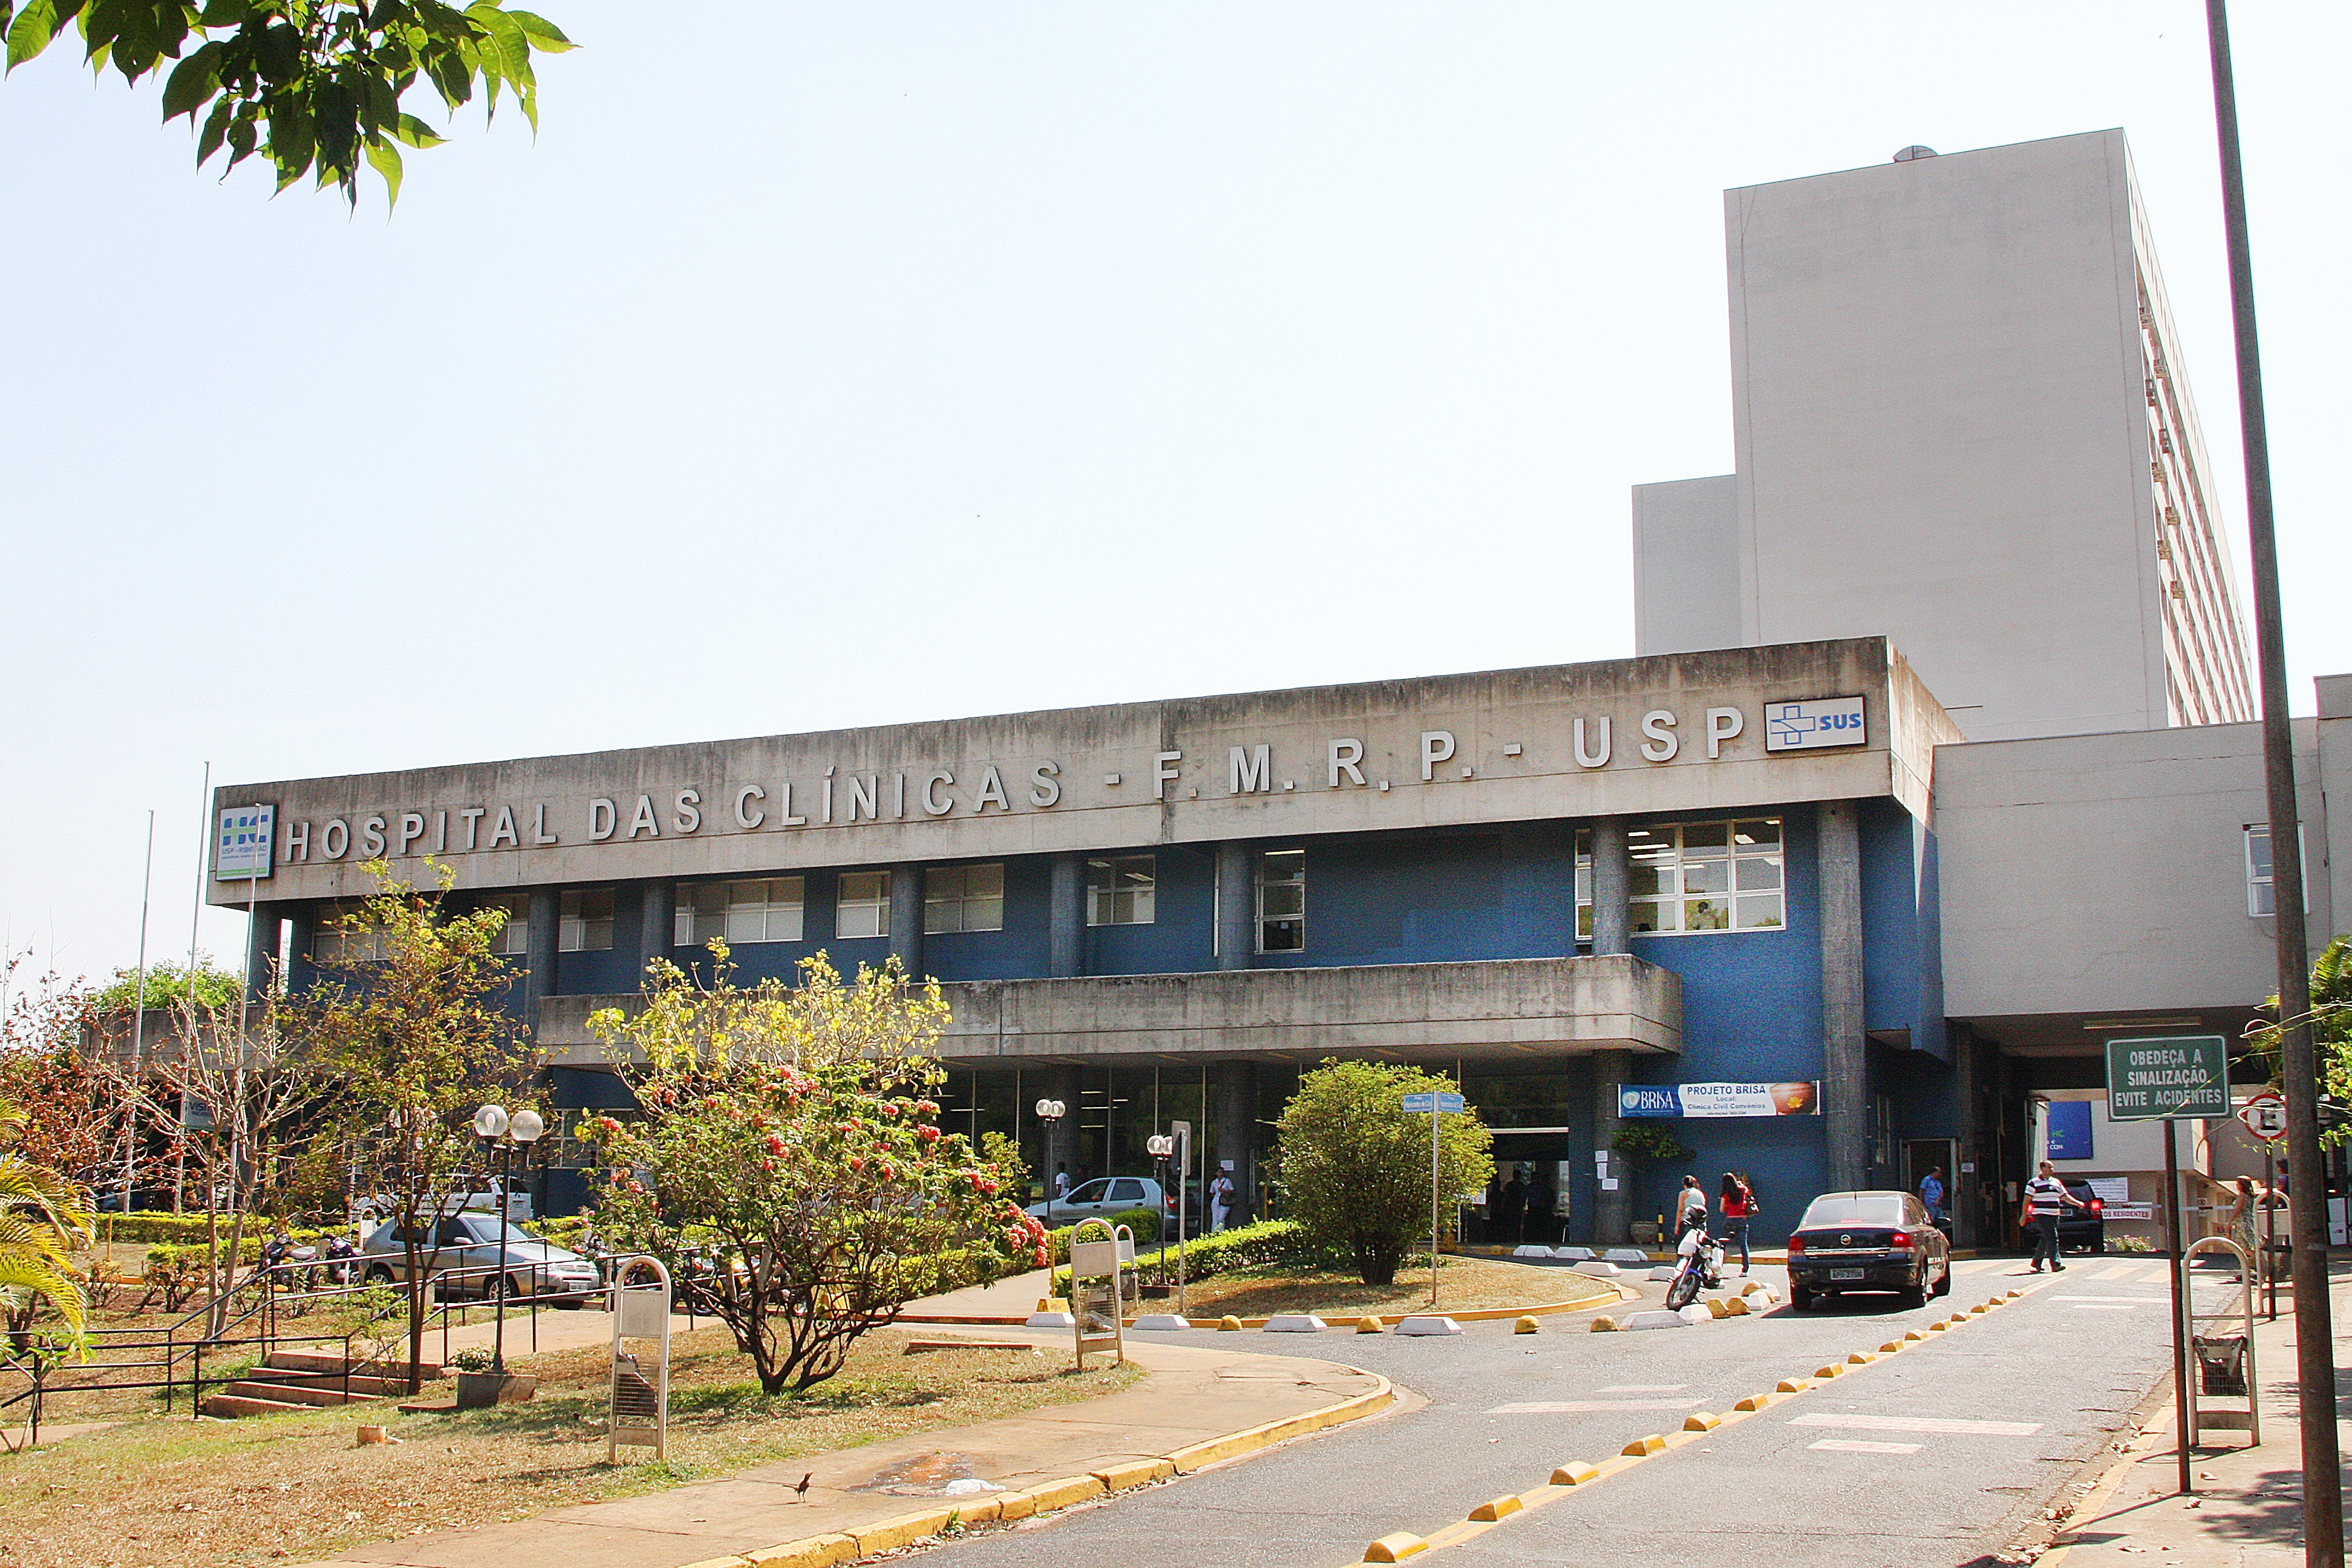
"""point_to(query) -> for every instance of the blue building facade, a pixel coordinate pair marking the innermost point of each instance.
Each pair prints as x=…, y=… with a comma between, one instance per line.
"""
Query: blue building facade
x=1551, y=884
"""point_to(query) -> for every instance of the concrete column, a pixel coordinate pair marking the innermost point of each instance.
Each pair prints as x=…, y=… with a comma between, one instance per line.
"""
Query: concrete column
x=654, y=936
x=1846, y=1084
x=906, y=919
x=301, y=932
x=1066, y=917
x=1613, y=1213
x=261, y=950
x=540, y=937
x=1237, y=1107
x=1613, y=878
x=1960, y=1190
x=1236, y=906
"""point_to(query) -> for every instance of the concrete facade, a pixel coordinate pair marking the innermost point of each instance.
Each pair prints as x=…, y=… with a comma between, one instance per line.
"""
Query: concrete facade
x=1961, y=418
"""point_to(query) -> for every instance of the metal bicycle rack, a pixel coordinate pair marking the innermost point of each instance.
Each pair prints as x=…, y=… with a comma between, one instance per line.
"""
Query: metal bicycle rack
x=2224, y=1360
x=1097, y=1276
x=640, y=1413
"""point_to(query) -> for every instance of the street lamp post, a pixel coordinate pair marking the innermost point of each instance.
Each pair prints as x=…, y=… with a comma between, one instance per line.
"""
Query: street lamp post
x=492, y=1124
x=1050, y=1112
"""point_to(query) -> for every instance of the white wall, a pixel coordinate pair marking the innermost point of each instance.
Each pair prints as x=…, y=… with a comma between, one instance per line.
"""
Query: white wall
x=1687, y=570
x=2103, y=873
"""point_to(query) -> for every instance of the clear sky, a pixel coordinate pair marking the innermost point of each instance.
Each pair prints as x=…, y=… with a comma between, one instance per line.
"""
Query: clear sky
x=829, y=364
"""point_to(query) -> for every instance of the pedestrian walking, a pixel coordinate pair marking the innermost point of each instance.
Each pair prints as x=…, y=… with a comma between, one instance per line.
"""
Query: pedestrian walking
x=2240, y=1223
x=2046, y=1198
x=1739, y=1206
x=1537, y=1225
x=1221, y=1196
x=1931, y=1193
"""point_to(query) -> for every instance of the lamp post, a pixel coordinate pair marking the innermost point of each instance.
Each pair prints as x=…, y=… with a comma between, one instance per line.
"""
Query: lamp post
x=492, y=1124
x=1050, y=1112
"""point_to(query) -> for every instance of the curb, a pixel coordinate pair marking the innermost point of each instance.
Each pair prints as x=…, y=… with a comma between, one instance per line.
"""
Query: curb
x=1470, y=1315
x=837, y=1547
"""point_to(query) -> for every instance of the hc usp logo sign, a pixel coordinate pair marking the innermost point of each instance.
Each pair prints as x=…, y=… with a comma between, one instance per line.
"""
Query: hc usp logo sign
x=241, y=848
x=1815, y=724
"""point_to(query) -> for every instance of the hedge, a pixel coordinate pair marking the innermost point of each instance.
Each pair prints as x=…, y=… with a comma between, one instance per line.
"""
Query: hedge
x=1268, y=1244
x=188, y=1230
x=1144, y=1223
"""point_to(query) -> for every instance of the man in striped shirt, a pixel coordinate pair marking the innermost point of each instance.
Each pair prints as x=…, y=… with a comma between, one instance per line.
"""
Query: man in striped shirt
x=2048, y=1197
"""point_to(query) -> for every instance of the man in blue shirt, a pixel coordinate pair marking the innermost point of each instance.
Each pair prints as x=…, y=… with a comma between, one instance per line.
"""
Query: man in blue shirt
x=1931, y=1193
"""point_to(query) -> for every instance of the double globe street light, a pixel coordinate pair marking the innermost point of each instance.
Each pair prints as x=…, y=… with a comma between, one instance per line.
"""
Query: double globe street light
x=492, y=1125
x=1050, y=1112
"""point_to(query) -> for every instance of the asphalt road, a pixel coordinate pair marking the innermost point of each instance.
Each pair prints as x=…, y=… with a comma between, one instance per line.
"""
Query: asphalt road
x=1863, y=1470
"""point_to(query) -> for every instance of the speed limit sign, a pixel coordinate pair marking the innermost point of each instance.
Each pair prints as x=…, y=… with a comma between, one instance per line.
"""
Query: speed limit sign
x=2265, y=1115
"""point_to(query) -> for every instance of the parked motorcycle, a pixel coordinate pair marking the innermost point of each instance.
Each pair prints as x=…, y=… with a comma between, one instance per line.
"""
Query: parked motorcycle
x=1701, y=1265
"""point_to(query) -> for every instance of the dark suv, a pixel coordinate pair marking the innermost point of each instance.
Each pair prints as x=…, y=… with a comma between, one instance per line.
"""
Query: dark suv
x=2083, y=1229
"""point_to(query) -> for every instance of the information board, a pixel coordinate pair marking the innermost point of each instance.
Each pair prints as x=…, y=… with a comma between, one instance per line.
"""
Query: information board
x=2166, y=1077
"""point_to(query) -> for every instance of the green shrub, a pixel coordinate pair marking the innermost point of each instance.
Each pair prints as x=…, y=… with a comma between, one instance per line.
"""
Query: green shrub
x=1268, y=1244
x=188, y=1230
x=1144, y=1223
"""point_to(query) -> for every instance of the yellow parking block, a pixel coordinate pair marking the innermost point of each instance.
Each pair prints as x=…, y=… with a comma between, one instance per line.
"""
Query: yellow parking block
x=1229, y=1324
x=1701, y=1421
x=1833, y=1369
x=1574, y=1475
x=1642, y=1447
x=1605, y=1324
x=1860, y=1358
x=1793, y=1385
x=1527, y=1326
x=1938, y=1328
x=1915, y=1337
x=1979, y=1306
x=1736, y=1307
x=1369, y=1325
x=1755, y=1402
x=1394, y=1548
x=1890, y=1347
x=1717, y=1307
x=1487, y=1512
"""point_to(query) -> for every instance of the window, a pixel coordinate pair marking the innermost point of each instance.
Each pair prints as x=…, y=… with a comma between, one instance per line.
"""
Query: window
x=341, y=934
x=2259, y=898
x=862, y=906
x=1282, y=901
x=1125, y=1192
x=513, y=940
x=586, y=922
x=1691, y=877
x=740, y=912
x=963, y=897
x=1119, y=891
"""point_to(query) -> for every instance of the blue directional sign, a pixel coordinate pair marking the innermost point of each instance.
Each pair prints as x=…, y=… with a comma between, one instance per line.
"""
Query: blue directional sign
x=1433, y=1104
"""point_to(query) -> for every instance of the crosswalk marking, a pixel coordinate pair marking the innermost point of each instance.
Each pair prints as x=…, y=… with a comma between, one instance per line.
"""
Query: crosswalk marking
x=2102, y=1306
x=2126, y=1300
x=1585, y=1406
x=2120, y=1271
x=1643, y=1388
x=1853, y=1423
x=1855, y=1446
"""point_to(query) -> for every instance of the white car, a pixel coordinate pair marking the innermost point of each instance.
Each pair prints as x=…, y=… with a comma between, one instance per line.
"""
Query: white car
x=1107, y=1196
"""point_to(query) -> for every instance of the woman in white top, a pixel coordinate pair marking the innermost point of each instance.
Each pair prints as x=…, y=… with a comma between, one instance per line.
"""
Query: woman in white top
x=1693, y=1202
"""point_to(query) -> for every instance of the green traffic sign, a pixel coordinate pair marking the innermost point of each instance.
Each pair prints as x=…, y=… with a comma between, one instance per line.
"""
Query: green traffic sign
x=2168, y=1075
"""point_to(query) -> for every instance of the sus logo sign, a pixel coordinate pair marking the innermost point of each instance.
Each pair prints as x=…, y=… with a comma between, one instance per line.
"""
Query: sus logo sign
x=1815, y=724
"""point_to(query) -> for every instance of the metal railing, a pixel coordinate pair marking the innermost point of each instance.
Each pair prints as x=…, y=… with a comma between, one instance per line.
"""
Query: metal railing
x=270, y=1301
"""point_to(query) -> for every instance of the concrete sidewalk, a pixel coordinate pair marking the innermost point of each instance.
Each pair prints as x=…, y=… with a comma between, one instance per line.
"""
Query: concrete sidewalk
x=1198, y=1404
x=2248, y=1510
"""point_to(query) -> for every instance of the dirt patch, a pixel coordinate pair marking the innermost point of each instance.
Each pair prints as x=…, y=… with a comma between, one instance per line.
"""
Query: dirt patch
x=174, y=1494
x=1463, y=1284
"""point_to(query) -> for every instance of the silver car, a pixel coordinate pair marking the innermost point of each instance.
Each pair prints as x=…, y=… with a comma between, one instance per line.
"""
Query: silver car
x=470, y=1244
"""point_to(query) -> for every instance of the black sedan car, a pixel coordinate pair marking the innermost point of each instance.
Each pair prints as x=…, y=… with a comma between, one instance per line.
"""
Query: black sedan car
x=2085, y=1228
x=1867, y=1241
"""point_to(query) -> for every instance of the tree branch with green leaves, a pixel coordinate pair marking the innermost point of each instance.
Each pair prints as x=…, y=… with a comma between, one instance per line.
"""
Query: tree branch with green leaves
x=313, y=85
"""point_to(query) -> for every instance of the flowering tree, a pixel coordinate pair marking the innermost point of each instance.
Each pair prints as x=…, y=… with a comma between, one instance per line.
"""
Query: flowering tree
x=790, y=1133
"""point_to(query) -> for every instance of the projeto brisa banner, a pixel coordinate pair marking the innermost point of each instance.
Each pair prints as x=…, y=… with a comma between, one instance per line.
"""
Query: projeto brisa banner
x=1640, y=1100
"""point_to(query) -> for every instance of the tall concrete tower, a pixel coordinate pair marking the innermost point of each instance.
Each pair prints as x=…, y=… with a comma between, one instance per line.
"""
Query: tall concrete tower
x=1962, y=420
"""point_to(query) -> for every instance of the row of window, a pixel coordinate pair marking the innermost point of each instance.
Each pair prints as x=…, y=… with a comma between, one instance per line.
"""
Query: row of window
x=1693, y=877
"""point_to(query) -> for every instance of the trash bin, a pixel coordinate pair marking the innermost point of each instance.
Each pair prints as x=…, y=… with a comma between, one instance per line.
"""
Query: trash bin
x=2221, y=1360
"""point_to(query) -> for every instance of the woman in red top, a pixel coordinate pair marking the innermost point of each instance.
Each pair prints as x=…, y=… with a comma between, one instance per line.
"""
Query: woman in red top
x=1738, y=1206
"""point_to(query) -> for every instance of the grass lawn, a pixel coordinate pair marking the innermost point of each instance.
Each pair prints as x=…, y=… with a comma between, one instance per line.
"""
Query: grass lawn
x=1463, y=1284
x=175, y=1493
